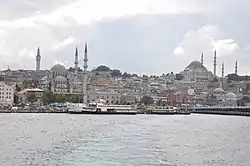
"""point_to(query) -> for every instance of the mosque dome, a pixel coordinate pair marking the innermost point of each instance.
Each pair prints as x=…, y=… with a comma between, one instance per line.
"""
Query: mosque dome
x=218, y=90
x=195, y=63
x=231, y=96
x=60, y=79
x=58, y=67
x=196, y=66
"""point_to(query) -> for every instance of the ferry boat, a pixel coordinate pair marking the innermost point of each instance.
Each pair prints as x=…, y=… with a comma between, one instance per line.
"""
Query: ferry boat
x=99, y=108
x=161, y=110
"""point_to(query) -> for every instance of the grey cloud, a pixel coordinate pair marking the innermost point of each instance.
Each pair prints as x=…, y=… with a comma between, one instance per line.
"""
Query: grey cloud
x=133, y=44
x=14, y=9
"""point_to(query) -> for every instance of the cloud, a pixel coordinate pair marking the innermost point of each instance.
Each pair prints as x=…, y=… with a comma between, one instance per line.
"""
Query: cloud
x=178, y=51
x=136, y=36
x=62, y=44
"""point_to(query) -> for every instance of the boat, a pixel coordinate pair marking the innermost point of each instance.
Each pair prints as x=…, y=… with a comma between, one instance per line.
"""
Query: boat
x=102, y=109
x=161, y=110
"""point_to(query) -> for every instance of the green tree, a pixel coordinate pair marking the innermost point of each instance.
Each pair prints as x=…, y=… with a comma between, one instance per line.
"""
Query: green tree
x=16, y=99
x=61, y=98
x=18, y=89
x=31, y=98
x=147, y=100
x=134, y=75
x=126, y=75
x=48, y=97
x=75, y=98
x=116, y=73
x=102, y=68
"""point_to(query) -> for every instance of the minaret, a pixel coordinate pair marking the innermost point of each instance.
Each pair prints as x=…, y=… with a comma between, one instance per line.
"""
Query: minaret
x=236, y=68
x=222, y=70
x=38, y=59
x=215, y=63
x=202, y=58
x=76, y=60
x=85, y=76
x=222, y=75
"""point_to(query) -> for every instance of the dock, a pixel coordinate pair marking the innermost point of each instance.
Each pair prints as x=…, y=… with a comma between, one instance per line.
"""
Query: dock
x=233, y=111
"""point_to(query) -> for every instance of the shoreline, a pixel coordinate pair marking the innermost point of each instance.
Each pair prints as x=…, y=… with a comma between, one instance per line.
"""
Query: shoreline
x=225, y=113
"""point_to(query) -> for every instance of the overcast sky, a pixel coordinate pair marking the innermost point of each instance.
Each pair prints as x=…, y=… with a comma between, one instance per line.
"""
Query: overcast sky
x=142, y=36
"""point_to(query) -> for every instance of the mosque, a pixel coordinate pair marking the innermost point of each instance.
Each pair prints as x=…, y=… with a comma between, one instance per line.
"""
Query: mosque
x=197, y=72
x=62, y=81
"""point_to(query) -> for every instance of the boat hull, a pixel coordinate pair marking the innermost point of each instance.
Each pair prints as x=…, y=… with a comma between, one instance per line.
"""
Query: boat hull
x=162, y=113
x=104, y=113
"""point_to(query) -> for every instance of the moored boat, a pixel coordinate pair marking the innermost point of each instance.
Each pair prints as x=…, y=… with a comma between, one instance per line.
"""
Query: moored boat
x=161, y=110
x=99, y=108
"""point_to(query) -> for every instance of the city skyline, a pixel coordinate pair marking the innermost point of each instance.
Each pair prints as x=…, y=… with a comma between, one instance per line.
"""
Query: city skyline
x=151, y=37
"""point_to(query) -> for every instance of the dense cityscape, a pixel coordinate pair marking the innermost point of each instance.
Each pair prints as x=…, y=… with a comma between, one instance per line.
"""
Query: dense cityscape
x=195, y=85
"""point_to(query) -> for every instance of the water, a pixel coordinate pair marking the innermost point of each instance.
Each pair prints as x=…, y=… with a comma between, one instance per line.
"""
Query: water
x=79, y=140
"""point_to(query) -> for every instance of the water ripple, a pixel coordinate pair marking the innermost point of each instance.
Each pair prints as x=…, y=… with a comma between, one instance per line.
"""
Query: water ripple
x=76, y=140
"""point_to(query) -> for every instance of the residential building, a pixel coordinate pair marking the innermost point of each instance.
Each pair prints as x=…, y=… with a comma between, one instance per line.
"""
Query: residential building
x=7, y=91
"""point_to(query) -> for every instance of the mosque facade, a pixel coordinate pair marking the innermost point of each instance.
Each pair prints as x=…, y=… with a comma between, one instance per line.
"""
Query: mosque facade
x=60, y=80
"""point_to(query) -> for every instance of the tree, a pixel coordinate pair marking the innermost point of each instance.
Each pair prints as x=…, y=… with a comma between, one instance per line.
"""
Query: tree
x=31, y=98
x=147, y=100
x=159, y=102
x=134, y=75
x=246, y=99
x=48, y=97
x=126, y=75
x=50, y=86
x=16, y=99
x=61, y=98
x=116, y=73
x=179, y=76
x=18, y=89
x=74, y=98
x=102, y=68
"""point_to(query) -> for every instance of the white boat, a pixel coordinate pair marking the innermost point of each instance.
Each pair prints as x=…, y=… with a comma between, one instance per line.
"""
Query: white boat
x=75, y=107
x=100, y=108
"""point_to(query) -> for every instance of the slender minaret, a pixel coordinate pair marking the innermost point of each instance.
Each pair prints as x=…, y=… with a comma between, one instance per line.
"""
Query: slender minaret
x=215, y=63
x=222, y=75
x=222, y=70
x=236, y=68
x=76, y=61
x=38, y=59
x=85, y=76
x=202, y=58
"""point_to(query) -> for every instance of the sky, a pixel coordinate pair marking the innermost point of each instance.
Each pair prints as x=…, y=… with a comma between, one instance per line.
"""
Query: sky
x=136, y=36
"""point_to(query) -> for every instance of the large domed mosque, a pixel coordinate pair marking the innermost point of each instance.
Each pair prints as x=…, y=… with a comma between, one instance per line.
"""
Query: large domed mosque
x=60, y=80
x=197, y=72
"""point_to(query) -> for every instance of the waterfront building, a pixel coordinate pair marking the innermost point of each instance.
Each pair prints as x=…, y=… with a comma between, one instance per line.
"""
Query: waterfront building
x=23, y=95
x=108, y=97
x=7, y=91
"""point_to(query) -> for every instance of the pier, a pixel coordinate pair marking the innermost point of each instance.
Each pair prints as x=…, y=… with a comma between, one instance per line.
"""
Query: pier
x=233, y=111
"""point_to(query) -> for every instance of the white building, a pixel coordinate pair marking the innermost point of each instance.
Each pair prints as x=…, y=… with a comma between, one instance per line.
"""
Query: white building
x=6, y=93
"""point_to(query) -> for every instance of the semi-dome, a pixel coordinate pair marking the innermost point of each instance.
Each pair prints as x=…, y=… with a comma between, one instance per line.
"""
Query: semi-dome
x=58, y=67
x=218, y=90
x=231, y=96
x=60, y=79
